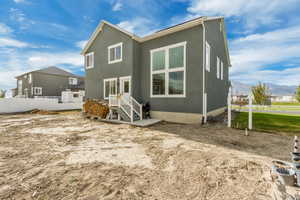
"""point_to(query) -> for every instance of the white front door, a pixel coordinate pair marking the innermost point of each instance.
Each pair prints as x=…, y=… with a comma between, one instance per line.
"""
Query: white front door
x=125, y=86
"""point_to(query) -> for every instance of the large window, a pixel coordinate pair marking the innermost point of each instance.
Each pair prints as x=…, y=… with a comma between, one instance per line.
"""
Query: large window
x=30, y=78
x=110, y=87
x=168, y=71
x=115, y=53
x=89, y=60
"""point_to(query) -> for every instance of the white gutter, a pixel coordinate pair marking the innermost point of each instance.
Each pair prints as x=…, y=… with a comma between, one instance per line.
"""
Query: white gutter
x=204, y=108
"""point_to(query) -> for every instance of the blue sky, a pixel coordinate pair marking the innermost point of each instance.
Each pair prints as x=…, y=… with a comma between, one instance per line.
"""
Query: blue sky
x=264, y=35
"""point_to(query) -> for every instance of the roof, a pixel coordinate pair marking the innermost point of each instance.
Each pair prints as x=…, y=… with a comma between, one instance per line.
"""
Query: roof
x=54, y=71
x=160, y=33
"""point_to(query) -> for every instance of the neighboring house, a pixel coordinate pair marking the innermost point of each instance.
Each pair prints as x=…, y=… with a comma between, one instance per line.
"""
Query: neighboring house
x=181, y=71
x=283, y=98
x=50, y=82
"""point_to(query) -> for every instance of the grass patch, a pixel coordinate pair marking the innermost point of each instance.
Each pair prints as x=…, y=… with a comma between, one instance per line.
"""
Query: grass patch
x=273, y=123
x=286, y=103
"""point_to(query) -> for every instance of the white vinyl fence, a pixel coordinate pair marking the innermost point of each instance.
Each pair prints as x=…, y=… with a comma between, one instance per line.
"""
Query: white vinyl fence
x=15, y=105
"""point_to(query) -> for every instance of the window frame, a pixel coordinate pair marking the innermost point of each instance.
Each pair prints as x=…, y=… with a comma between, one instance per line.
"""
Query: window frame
x=114, y=46
x=109, y=80
x=72, y=82
x=35, y=89
x=167, y=70
x=86, y=58
x=207, y=56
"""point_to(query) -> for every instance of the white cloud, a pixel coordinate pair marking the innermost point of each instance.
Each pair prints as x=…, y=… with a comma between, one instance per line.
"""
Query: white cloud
x=17, y=62
x=9, y=42
x=81, y=44
x=251, y=56
x=254, y=12
x=4, y=29
x=19, y=1
x=117, y=6
x=139, y=26
x=47, y=59
x=18, y=16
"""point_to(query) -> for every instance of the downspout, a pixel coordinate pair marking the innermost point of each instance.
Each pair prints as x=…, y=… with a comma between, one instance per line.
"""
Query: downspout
x=204, y=103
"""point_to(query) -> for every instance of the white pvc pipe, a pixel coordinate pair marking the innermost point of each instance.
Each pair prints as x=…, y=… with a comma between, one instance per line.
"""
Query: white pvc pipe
x=250, y=112
x=229, y=108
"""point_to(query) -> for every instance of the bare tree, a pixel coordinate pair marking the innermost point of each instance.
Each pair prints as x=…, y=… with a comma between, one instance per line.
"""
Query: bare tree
x=298, y=93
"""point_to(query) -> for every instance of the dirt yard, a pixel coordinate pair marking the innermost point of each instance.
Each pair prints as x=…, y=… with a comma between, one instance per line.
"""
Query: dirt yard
x=67, y=157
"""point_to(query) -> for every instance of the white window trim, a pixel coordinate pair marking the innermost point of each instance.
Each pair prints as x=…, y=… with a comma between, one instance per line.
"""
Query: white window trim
x=207, y=55
x=93, y=58
x=222, y=74
x=122, y=86
x=114, y=46
x=38, y=90
x=29, y=78
x=167, y=70
x=73, y=81
x=218, y=67
x=108, y=80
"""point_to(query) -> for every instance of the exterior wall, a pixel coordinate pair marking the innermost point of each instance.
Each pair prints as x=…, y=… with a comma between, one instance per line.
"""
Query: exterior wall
x=102, y=70
x=217, y=89
x=25, y=84
x=192, y=103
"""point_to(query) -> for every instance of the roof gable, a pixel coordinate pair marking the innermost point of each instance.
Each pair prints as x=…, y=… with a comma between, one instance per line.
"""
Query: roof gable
x=163, y=32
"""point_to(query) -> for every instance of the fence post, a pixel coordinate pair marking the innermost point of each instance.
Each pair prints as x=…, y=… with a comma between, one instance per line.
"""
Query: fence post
x=250, y=112
x=229, y=108
x=131, y=112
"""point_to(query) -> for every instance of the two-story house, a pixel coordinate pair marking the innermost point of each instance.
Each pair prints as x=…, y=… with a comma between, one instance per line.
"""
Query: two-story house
x=181, y=71
x=50, y=82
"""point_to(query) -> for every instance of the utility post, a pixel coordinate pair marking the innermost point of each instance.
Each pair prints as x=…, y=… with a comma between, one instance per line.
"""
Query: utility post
x=250, y=112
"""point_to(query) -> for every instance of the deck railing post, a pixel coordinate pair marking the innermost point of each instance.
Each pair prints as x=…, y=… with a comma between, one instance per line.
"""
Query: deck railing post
x=131, y=112
x=141, y=112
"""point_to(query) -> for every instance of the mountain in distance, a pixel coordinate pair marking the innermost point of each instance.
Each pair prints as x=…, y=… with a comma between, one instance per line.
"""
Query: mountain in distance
x=239, y=88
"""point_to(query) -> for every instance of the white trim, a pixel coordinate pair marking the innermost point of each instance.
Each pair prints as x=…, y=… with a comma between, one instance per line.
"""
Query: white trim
x=218, y=67
x=204, y=106
x=207, y=56
x=121, y=83
x=73, y=81
x=114, y=46
x=92, y=60
x=158, y=34
x=109, y=80
x=167, y=71
x=38, y=90
x=30, y=78
x=222, y=74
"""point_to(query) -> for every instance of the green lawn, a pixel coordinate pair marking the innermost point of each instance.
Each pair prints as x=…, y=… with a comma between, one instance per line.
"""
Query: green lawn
x=274, y=123
x=286, y=103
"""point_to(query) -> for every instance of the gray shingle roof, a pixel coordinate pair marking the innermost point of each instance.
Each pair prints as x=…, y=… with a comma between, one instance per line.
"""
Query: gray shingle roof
x=55, y=71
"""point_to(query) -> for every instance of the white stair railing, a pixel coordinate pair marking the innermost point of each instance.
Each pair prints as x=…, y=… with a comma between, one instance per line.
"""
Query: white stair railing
x=137, y=107
x=129, y=107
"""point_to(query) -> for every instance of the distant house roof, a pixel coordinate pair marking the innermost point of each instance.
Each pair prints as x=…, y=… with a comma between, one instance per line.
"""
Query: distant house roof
x=160, y=33
x=54, y=71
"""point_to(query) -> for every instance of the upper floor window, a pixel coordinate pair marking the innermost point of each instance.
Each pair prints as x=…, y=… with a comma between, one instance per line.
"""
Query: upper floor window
x=89, y=60
x=115, y=53
x=168, y=71
x=72, y=81
x=207, y=56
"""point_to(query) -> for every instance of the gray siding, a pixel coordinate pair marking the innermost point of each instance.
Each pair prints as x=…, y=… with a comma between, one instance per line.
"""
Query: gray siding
x=52, y=85
x=192, y=103
x=102, y=70
x=217, y=89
